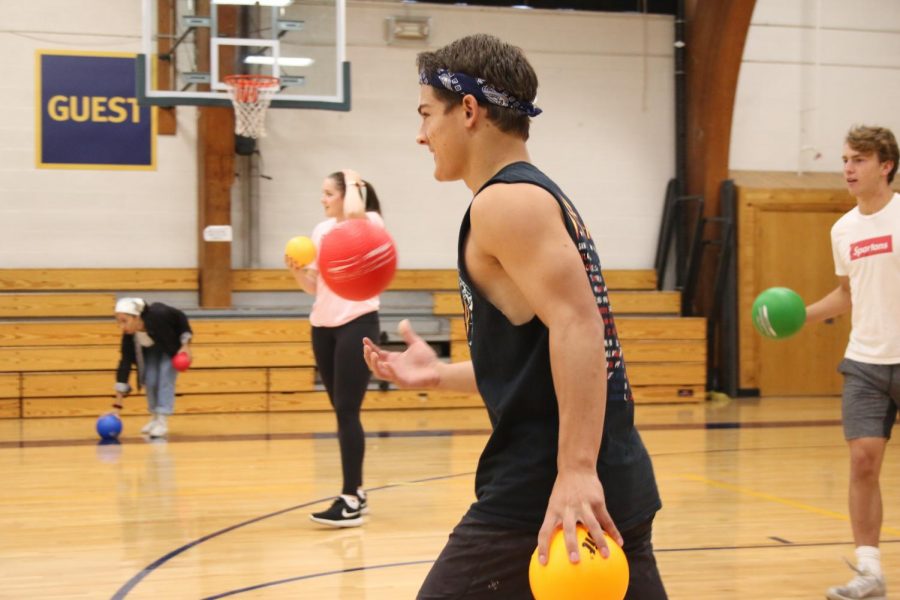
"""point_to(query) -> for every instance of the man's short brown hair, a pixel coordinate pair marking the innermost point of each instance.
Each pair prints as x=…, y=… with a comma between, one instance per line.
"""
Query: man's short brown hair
x=878, y=140
x=502, y=65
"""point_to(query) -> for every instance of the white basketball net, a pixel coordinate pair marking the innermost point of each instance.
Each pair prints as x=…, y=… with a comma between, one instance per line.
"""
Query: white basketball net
x=250, y=96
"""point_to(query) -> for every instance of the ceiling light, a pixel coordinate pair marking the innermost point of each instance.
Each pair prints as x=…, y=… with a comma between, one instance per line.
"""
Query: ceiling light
x=283, y=61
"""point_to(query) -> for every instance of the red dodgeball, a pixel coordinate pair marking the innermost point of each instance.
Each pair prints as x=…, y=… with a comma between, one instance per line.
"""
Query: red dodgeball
x=181, y=361
x=357, y=259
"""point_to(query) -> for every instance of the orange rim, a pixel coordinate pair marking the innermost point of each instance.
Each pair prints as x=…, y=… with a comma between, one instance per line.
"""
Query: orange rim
x=245, y=88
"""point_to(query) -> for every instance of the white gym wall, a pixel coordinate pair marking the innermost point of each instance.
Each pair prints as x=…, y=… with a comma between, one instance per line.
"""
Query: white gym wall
x=811, y=69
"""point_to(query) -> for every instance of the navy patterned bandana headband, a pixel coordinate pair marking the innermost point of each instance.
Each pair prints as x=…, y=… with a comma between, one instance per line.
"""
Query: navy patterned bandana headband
x=463, y=84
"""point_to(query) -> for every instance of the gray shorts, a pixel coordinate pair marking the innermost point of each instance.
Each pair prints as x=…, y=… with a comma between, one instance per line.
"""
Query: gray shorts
x=870, y=399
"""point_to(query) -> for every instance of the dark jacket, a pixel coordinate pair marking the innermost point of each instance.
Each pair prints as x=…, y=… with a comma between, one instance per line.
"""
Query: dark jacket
x=168, y=328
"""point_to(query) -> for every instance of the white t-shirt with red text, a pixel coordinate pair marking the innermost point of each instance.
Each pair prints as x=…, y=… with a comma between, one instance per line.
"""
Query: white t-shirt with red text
x=329, y=309
x=867, y=250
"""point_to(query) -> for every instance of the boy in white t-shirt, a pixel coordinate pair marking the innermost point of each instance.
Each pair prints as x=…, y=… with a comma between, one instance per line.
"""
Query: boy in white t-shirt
x=866, y=247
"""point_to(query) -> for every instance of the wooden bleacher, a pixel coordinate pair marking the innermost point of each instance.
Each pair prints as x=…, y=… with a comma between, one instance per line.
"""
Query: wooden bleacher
x=59, y=345
x=20, y=306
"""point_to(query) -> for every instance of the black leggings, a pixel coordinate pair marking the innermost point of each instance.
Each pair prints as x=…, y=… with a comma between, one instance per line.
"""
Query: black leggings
x=339, y=358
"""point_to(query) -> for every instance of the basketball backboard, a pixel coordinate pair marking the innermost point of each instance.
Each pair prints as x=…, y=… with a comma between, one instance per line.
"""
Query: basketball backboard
x=189, y=46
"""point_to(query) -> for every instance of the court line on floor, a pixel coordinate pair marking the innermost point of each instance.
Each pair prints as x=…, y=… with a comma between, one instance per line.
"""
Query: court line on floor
x=672, y=453
x=745, y=491
x=259, y=586
x=738, y=425
x=239, y=437
x=764, y=546
x=287, y=580
x=149, y=569
x=251, y=437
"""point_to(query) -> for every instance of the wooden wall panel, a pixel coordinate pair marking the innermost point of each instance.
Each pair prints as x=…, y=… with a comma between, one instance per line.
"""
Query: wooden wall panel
x=679, y=374
x=425, y=279
x=10, y=408
x=457, y=330
x=643, y=351
x=257, y=280
x=9, y=385
x=98, y=358
x=666, y=356
x=630, y=279
x=376, y=400
x=248, y=280
x=21, y=306
x=98, y=383
x=636, y=351
x=622, y=303
x=215, y=163
x=446, y=303
x=62, y=368
x=292, y=380
x=76, y=383
x=253, y=355
x=666, y=394
x=784, y=240
x=459, y=351
x=229, y=331
x=60, y=333
x=105, y=332
x=59, y=358
x=165, y=67
x=263, y=280
x=631, y=302
x=394, y=399
x=631, y=328
x=300, y=401
x=95, y=406
x=661, y=328
x=97, y=279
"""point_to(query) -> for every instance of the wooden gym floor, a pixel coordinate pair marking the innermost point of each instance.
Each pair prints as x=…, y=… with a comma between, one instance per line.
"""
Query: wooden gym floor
x=754, y=493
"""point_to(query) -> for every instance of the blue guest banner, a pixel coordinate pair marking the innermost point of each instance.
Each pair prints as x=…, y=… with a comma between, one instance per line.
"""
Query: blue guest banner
x=88, y=116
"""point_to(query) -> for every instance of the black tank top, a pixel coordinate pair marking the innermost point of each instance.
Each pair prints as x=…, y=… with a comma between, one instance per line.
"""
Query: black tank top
x=517, y=468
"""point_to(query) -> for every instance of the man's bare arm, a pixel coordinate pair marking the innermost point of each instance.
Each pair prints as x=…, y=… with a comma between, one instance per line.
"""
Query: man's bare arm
x=836, y=303
x=418, y=366
x=522, y=227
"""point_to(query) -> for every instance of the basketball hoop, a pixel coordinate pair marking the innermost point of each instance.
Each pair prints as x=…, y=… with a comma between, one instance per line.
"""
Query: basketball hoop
x=251, y=95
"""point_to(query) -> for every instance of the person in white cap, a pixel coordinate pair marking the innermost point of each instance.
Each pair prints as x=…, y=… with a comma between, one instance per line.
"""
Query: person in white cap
x=151, y=336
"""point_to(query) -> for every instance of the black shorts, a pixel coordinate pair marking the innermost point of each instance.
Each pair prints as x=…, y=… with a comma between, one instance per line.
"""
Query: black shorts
x=483, y=561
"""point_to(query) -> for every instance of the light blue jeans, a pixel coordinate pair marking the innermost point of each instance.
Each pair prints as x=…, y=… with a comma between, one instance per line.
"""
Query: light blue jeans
x=159, y=381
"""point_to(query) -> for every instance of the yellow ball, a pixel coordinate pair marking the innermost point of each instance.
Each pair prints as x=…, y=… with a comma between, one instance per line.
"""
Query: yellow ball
x=301, y=250
x=592, y=578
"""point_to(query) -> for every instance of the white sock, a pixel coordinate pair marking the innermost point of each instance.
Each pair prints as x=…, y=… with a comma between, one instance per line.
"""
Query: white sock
x=360, y=493
x=868, y=559
x=351, y=500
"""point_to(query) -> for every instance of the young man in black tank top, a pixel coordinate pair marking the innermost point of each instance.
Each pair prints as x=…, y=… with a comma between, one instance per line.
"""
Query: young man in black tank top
x=545, y=353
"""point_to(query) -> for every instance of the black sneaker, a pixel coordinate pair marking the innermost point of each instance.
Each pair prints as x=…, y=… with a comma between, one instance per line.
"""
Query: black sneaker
x=363, y=502
x=341, y=514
